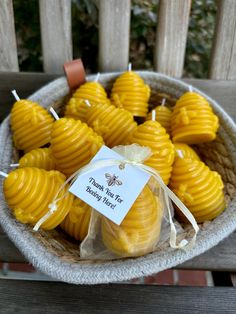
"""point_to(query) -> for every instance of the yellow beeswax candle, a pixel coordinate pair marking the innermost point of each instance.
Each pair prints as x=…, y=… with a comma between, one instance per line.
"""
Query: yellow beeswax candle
x=113, y=124
x=130, y=90
x=163, y=116
x=139, y=231
x=76, y=222
x=193, y=120
x=40, y=158
x=186, y=150
x=199, y=188
x=76, y=109
x=94, y=92
x=29, y=192
x=154, y=136
x=31, y=125
x=73, y=144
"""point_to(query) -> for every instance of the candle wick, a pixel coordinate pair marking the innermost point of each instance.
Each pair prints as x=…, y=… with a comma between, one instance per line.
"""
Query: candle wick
x=180, y=153
x=53, y=112
x=163, y=102
x=87, y=103
x=14, y=93
x=14, y=165
x=130, y=67
x=153, y=115
x=3, y=174
x=190, y=88
x=97, y=77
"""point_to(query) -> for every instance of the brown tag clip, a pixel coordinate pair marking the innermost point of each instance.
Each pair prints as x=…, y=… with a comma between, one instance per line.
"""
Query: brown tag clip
x=75, y=73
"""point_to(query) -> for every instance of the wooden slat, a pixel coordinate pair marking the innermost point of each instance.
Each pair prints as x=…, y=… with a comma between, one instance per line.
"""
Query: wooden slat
x=220, y=258
x=172, y=28
x=8, y=50
x=223, y=59
x=114, y=29
x=55, y=21
x=8, y=251
x=52, y=297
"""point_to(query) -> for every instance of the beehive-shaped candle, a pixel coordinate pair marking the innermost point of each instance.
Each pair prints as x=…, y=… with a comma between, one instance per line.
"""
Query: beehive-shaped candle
x=76, y=222
x=76, y=109
x=193, y=120
x=186, y=151
x=163, y=116
x=40, y=158
x=139, y=231
x=29, y=192
x=113, y=124
x=199, y=188
x=154, y=136
x=73, y=144
x=94, y=92
x=132, y=92
x=31, y=125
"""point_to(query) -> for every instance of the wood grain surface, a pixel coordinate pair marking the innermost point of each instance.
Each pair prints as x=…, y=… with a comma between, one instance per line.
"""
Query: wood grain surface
x=54, y=297
x=223, y=59
x=114, y=30
x=8, y=50
x=55, y=21
x=171, y=36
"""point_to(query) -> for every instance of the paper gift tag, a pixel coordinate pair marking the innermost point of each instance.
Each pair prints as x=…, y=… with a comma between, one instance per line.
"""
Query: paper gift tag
x=110, y=190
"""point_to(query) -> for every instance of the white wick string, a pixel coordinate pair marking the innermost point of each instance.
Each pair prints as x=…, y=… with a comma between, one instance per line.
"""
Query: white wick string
x=180, y=153
x=190, y=88
x=87, y=103
x=14, y=165
x=3, y=174
x=53, y=112
x=153, y=115
x=163, y=102
x=130, y=67
x=97, y=77
x=14, y=93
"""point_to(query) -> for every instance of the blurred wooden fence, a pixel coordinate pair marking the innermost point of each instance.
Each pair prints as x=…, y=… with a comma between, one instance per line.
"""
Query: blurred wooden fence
x=114, y=36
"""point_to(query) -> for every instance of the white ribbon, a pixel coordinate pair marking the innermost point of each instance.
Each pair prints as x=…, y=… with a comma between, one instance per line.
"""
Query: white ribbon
x=168, y=194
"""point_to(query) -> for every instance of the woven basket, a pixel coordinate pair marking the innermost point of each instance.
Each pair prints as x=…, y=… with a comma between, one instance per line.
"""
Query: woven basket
x=56, y=254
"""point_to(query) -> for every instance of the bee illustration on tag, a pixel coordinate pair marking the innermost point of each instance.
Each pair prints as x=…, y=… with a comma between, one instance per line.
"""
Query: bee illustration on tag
x=112, y=180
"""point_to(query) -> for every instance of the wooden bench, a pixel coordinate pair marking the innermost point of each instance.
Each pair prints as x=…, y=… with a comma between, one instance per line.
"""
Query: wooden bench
x=114, y=29
x=114, y=21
